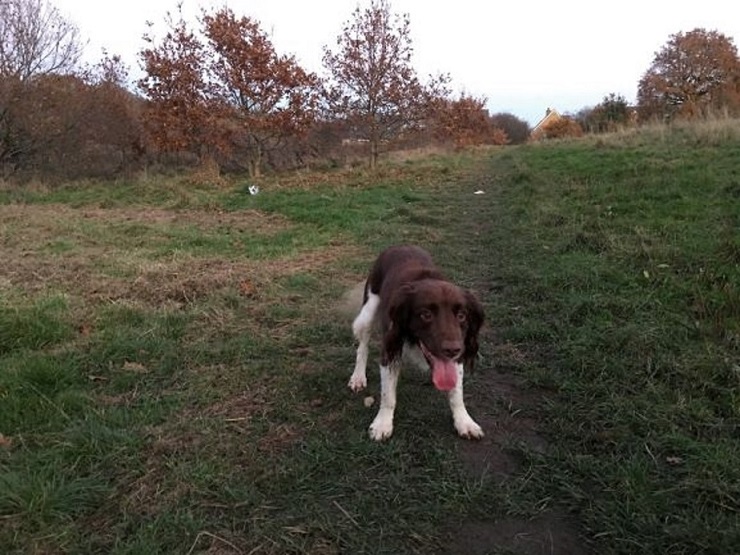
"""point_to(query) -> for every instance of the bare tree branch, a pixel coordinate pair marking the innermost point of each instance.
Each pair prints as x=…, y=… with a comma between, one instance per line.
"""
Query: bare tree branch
x=36, y=40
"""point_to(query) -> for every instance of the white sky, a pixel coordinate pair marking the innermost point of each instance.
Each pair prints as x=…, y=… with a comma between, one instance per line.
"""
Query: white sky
x=523, y=55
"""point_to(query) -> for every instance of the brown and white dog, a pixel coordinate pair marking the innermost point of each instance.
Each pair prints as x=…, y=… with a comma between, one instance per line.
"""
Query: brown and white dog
x=421, y=315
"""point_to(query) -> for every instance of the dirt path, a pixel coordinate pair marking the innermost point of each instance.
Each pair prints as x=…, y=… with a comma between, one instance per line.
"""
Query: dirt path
x=508, y=411
x=513, y=421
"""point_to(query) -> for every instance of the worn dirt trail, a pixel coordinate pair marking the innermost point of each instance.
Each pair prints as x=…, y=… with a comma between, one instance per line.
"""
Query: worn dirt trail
x=508, y=411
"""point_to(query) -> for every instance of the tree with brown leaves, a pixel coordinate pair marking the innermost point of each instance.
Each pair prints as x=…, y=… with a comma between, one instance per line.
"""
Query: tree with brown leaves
x=372, y=84
x=67, y=126
x=466, y=122
x=693, y=74
x=182, y=114
x=270, y=97
x=112, y=127
x=224, y=91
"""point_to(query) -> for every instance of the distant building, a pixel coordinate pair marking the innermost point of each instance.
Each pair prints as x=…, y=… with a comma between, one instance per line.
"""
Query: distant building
x=551, y=116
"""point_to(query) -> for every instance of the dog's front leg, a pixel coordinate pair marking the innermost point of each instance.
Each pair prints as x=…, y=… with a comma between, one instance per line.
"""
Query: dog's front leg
x=466, y=427
x=382, y=426
x=362, y=328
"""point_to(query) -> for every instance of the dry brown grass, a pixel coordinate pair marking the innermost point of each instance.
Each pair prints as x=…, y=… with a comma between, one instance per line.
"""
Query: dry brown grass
x=29, y=221
x=94, y=265
x=715, y=130
x=100, y=271
x=420, y=166
x=180, y=280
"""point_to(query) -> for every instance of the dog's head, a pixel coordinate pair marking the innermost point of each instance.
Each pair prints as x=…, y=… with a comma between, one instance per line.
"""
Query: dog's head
x=443, y=319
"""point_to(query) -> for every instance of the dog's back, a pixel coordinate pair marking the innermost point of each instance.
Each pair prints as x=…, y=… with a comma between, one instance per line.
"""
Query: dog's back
x=397, y=265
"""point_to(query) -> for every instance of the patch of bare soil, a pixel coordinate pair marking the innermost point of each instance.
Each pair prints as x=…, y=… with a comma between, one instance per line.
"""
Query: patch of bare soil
x=253, y=402
x=547, y=533
x=511, y=423
x=507, y=429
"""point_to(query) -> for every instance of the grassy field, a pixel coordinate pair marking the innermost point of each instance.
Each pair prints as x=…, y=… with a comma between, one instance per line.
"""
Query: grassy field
x=173, y=360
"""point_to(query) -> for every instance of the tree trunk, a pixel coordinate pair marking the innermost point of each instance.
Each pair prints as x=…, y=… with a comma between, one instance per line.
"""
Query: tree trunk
x=374, y=145
x=254, y=164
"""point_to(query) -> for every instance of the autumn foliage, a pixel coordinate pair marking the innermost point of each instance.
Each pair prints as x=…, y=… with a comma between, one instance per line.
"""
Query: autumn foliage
x=69, y=125
x=180, y=114
x=466, y=122
x=224, y=91
x=216, y=94
x=53, y=113
x=694, y=74
x=561, y=128
x=266, y=97
x=372, y=84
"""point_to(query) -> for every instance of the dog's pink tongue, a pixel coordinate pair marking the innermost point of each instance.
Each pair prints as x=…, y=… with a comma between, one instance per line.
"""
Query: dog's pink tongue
x=444, y=374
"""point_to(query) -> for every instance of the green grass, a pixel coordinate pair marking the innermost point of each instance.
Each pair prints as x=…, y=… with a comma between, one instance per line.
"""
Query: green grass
x=632, y=255
x=33, y=325
x=179, y=385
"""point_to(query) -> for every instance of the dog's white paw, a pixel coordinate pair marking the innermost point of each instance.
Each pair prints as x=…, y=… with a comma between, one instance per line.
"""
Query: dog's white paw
x=381, y=428
x=468, y=428
x=357, y=382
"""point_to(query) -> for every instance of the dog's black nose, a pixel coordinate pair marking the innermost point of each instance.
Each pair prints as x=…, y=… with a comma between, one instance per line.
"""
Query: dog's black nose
x=451, y=350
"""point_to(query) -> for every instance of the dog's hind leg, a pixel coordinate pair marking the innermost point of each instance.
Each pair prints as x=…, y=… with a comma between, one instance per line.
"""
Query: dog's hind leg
x=466, y=427
x=362, y=328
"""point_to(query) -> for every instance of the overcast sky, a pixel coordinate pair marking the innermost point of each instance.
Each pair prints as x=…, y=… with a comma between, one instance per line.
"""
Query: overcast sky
x=522, y=55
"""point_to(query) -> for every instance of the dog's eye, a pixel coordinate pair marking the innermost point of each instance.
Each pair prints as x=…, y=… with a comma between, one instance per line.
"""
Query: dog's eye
x=461, y=316
x=425, y=315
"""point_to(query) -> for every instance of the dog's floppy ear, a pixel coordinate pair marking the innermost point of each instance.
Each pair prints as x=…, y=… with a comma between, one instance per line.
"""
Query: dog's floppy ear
x=399, y=314
x=476, y=317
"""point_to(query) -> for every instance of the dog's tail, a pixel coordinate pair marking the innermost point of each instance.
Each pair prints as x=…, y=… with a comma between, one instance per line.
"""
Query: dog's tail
x=353, y=299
